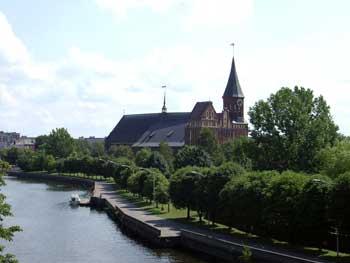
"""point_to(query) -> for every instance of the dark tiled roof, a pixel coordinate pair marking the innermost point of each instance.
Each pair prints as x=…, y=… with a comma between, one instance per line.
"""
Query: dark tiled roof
x=142, y=129
x=199, y=108
x=233, y=89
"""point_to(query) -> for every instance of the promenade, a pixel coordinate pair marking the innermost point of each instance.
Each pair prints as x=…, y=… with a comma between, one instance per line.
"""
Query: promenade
x=172, y=229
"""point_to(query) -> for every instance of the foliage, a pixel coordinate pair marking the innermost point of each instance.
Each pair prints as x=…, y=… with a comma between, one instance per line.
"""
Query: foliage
x=282, y=195
x=192, y=156
x=335, y=160
x=289, y=129
x=168, y=154
x=246, y=256
x=82, y=147
x=313, y=223
x=6, y=233
x=118, y=151
x=339, y=202
x=208, y=143
x=161, y=184
x=142, y=157
x=243, y=200
x=59, y=143
x=217, y=178
x=156, y=160
x=239, y=151
x=97, y=149
x=182, y=188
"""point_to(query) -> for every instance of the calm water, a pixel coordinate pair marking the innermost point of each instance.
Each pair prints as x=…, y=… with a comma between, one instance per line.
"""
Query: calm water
x=55, y=232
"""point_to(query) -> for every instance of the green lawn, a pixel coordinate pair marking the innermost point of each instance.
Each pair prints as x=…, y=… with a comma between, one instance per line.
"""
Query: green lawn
x=180, y=216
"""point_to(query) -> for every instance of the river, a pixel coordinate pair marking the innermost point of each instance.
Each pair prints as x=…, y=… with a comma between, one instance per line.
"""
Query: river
x=55, y=232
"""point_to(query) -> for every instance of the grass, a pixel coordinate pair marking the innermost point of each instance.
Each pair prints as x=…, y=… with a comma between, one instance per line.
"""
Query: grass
x=180, y=215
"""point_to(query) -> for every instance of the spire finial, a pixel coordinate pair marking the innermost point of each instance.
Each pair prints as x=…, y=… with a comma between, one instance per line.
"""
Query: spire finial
x=164, y=109
x=233, y=47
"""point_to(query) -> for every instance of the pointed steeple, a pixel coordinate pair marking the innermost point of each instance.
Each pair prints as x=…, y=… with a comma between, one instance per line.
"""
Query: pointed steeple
x=164, y=109
x=233, y=89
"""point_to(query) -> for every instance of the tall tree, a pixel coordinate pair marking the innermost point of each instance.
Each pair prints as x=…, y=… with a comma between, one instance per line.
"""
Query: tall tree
x=289, y=129
x=121, y=151
x=59, y=144
x=192, y=156
x=6, y=233
x=208, y=143
x=168, y=154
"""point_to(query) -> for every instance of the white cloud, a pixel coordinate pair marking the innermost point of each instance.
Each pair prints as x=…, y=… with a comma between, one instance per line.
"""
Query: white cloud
x=207, y=14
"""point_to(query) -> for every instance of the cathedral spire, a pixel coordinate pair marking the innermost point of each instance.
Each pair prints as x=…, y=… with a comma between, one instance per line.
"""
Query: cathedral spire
x=164, y=109
x=233, y=88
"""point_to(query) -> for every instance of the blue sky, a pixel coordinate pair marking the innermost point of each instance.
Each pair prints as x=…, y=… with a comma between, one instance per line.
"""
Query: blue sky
x=79, y=64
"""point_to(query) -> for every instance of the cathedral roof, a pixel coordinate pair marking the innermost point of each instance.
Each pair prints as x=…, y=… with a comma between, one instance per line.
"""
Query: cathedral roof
x=148, y=130
x=233, y=89
x=199, y=108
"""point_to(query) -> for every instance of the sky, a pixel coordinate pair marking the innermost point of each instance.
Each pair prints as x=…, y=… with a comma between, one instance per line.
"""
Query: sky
x=82, y=64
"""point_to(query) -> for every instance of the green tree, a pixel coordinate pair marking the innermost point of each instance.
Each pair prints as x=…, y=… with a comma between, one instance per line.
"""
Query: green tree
x=168, y=154
x=82, y=147
x=290, y=128
x=59, y=144
x=161, y=183
x=142, y=157
x=339, y=202
x=243, y=200
x=208, y=142
x=97, y=149
x=217, y=178
x=41, y=142
x=312, y=216
x=156, y=160
x=6, y=233
x=282, y=199
x=335, y=160
x=239, y=151
x=182, y=188
x=118, y=151
x=192, y=156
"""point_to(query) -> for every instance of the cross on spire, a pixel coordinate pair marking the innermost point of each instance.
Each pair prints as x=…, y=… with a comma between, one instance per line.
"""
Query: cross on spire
x=164, y=109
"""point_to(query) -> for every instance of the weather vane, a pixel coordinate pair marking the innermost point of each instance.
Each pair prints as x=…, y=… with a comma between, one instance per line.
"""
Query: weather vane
x=233, y=46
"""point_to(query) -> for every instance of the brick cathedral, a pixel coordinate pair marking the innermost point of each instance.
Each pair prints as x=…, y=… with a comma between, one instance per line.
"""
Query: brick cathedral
x=180, y=128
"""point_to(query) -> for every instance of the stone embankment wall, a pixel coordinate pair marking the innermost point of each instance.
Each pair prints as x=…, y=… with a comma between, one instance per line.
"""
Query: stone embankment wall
x=144, y=231
x=230, y=251
x=58, y=178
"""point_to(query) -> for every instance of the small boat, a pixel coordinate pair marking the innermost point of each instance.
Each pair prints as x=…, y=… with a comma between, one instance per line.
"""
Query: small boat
x=74, y=199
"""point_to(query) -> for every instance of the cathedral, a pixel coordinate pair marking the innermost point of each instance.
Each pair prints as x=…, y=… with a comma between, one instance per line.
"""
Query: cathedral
x=183, y=128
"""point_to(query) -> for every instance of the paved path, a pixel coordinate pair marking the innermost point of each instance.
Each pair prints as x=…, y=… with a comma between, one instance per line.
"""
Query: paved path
x=170, y=228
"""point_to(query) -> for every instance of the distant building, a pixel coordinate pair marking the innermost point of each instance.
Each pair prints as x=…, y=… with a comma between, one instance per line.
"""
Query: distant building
x=180, y=128
x=92, y=139
x=7, y=139
x=14, y=139
x=25, y=142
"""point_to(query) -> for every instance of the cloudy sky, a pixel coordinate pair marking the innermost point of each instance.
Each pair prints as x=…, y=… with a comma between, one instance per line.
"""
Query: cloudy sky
x=80, y=64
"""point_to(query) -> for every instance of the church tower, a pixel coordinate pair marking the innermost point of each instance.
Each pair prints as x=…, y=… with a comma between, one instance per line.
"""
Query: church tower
x=233, y=97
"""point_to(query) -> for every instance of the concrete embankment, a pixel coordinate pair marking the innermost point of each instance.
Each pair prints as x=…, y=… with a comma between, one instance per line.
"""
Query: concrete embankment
x=58, y=178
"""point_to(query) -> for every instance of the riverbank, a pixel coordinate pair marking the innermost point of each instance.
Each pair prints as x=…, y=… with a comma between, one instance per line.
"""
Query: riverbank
x=167, y=233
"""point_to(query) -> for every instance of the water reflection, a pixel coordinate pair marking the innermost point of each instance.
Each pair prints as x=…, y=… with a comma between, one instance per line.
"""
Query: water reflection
x=53, y=231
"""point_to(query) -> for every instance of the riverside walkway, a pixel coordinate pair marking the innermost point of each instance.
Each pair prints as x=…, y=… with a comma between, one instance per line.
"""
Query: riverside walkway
x=169, y=228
